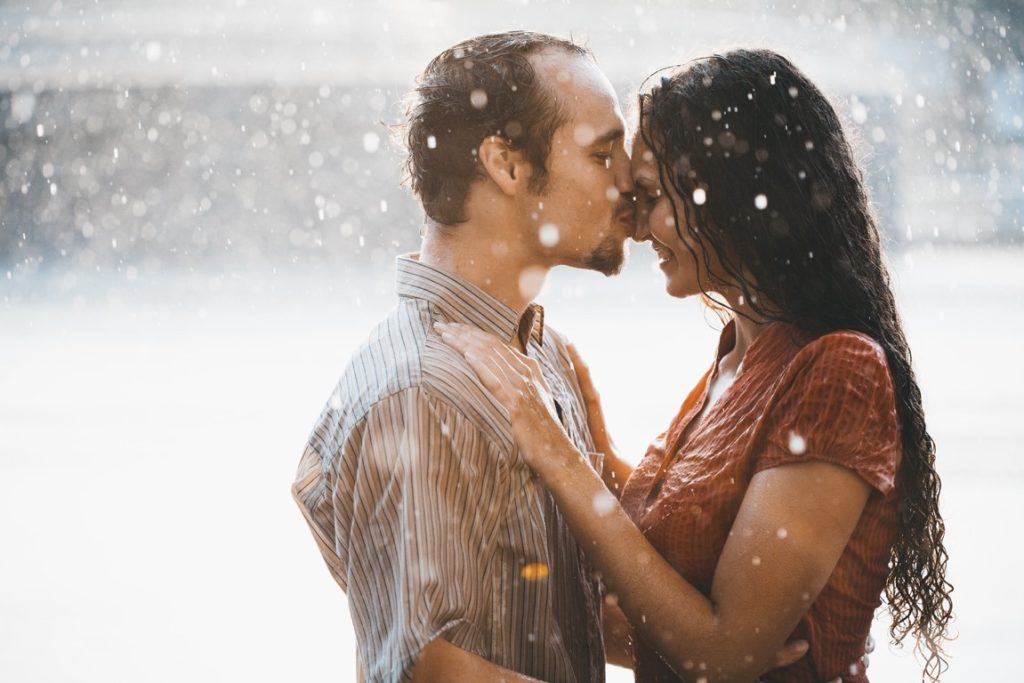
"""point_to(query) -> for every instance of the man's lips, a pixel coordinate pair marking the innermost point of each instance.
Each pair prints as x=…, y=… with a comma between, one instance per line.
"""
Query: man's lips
x=627, y=219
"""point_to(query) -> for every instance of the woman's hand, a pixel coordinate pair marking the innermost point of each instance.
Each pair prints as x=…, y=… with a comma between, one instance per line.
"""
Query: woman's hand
x=516, y=381
x=615, y=471
x=592, y=401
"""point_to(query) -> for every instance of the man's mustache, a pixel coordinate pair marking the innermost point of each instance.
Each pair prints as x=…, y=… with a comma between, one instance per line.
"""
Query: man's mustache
x=626, y=207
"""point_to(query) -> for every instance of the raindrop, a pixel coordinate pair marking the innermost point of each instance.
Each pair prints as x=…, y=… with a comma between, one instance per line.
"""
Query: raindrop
x=604, y=503
x=583, y=135
x=797, y=444
x=371, y=142
x=478, y=98
x=153, y=51
x=23, y=105
x=548, y=234
x=859, y=112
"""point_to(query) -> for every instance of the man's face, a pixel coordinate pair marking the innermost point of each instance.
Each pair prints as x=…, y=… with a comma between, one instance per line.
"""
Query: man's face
x=584, y=216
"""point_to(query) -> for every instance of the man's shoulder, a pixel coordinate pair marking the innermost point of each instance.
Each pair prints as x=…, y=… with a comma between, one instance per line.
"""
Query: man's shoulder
x=403, y=364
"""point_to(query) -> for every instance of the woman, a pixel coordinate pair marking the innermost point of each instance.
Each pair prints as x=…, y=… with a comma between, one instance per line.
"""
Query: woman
x=796, y=484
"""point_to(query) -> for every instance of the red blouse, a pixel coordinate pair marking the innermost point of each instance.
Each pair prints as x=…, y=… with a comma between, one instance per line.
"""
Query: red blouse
x=796, y=398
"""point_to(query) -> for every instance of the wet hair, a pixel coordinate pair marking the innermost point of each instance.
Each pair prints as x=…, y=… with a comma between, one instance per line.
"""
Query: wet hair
x=782, y=205
x=480, y=87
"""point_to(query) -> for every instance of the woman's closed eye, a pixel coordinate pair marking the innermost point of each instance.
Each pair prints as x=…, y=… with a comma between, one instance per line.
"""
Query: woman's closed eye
x=647, y=195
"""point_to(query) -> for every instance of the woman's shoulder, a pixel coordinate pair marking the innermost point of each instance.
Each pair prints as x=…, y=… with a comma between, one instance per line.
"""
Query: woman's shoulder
x=847, y=351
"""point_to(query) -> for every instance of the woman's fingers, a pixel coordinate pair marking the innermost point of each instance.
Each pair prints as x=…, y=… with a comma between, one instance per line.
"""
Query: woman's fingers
x=595, y=413
x=488, y=378
x=514, y=375
x=590, y=394
x=577, y=361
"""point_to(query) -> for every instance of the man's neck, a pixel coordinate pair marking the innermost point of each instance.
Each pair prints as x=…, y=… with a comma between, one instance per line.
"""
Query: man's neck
x=503, y=272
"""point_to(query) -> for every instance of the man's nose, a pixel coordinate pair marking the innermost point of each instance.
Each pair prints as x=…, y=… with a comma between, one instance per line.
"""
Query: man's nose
x=624, y=178
x=641, y=231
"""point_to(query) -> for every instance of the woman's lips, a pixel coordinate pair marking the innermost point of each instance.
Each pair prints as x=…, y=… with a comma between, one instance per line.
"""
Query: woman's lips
x=664, y=253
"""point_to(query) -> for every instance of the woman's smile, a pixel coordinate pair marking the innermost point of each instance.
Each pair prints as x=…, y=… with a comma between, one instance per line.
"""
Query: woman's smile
x=665, y=255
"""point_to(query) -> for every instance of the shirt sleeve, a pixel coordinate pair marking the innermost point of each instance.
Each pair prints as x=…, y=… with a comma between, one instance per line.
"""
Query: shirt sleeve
x=836, y=404
x=428, y=499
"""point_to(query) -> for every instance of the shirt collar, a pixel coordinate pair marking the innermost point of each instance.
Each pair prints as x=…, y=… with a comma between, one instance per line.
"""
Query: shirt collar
x=465, y=302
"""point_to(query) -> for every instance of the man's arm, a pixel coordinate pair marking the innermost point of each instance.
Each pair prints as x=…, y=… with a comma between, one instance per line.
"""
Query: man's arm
x=428, y=504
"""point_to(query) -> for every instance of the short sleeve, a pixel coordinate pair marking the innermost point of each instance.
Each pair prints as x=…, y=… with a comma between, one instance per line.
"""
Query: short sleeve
x=427, y=503
x=835, y=404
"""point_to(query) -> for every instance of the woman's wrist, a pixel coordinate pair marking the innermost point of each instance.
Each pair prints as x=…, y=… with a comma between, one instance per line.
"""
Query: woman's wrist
x=563, y=465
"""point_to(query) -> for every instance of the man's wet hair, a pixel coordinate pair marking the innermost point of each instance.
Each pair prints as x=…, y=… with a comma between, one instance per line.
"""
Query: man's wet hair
x=480, y=87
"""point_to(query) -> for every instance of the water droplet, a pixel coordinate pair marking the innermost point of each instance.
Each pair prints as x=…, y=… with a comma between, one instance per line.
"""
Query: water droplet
x=583, y=134
x=548, y=234
x=478, y=98
x=797, y=444
x=604, y=503
x=371, y=142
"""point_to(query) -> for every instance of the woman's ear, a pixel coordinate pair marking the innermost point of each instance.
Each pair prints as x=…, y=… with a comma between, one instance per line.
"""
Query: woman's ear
x=503, y=164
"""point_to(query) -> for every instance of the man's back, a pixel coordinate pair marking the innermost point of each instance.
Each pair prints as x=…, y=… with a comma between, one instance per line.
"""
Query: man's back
x=423, y=510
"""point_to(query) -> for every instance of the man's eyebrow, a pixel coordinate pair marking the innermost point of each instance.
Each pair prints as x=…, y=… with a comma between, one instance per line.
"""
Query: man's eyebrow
x=609, y=136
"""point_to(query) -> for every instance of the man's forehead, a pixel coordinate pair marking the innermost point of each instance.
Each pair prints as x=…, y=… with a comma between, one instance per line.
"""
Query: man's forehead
x=581, y=88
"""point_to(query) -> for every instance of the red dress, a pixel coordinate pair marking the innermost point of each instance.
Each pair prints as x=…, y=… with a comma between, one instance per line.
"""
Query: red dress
x=796, y=398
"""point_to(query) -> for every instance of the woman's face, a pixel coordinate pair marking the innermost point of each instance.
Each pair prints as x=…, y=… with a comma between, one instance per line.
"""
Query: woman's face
x=655, y=223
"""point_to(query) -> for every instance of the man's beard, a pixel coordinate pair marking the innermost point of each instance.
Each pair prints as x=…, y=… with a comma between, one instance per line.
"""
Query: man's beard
x=607, y=257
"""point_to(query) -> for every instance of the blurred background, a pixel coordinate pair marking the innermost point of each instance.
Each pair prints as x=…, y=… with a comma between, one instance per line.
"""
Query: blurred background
x=200, y=206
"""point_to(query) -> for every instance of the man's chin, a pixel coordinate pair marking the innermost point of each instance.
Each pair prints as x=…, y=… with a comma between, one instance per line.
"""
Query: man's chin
x=608, y=258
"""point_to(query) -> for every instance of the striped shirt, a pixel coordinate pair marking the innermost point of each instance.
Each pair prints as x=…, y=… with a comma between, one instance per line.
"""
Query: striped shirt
x=424, y=511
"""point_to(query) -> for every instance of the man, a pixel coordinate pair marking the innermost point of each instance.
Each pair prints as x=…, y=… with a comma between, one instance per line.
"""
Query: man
x=457, y=565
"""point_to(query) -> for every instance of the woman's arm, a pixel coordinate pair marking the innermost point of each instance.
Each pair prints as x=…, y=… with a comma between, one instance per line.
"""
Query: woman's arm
x=783, y=546
x=792, y=527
